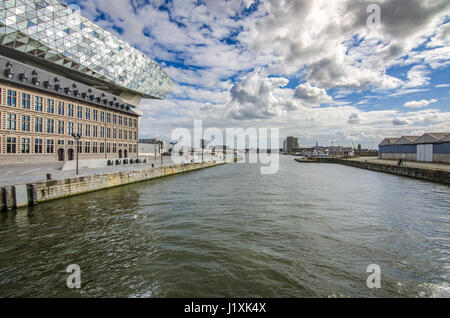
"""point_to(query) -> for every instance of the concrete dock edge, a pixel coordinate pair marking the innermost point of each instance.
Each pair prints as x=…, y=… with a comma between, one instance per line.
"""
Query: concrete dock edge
x=17, y=196
x=439, y=176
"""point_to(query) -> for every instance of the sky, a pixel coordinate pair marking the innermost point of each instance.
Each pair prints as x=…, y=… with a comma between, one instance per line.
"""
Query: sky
x=317, y=70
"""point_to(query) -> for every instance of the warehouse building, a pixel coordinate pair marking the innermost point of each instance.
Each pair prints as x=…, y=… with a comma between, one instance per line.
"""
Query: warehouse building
x=430, y=147
x=67, y=86
x=396, y=148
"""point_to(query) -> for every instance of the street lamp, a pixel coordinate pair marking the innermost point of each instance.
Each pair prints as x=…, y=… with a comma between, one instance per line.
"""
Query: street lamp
x=77, y=137
x=160, y=151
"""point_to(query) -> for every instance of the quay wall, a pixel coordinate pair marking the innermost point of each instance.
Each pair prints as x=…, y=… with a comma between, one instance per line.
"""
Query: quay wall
x=31, y=194
x=418, y=173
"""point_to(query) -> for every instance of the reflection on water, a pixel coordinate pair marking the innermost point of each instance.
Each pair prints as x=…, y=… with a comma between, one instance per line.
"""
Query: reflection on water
x=310, y=230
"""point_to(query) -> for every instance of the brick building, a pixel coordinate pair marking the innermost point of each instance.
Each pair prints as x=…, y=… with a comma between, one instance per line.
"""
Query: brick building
x=69, y=77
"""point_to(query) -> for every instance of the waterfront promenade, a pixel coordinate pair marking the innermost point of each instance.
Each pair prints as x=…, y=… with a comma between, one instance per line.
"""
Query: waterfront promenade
x=11, y=174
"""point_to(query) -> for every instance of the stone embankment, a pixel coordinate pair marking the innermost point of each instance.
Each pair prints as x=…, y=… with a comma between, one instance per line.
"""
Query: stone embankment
x=422, y=172
x=17, y=196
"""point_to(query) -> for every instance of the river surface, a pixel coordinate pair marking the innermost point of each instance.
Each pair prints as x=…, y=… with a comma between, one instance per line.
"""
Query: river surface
x=311, y=230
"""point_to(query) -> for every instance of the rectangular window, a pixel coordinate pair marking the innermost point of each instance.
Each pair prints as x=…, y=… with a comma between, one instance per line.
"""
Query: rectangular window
x=50, y=106
x=38, y=104
x=108, y=118
x=88, y=131
x=87, y=147
x=88, y=114
x=80, y=146
x=134, y=148
x=80, y=129
x=11, y=98
x=70, y=128
x=50, y=126
x=114, y=119
x=94, y=147
x=102, y=132
x=114, y=148
x=37, y=124
x=125, y=134
x=135, y=136
x=120, y=133
x=60, y=127
x=70, y=110
x=108, y=133
x=94, y=131
x=125, y=121
x=61, y=142
x=130, y=148
x=102, y=147
x=108, y=147
x=114, y=133
x=25, y=145
x=80, y=112
x=135, y=123
x=38, y=146
x=95, y=115
x=61, y=108
x=11, y=144
x=25, y=123
x=102, y=117
x=120, y=120
x=26, y=101
x=11, y=121
x=50, y=146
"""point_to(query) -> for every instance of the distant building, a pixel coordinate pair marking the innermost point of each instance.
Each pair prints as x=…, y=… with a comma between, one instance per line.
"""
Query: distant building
x=430, y=147
x=290, y=144
x=340, y=151
x=151, y=147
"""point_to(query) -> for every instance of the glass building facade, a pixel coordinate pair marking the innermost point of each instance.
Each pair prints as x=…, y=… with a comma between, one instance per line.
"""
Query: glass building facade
x=53, y=33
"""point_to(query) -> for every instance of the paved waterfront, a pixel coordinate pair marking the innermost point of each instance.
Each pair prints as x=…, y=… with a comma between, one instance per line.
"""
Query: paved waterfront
x=12, y=174
x=411, y=164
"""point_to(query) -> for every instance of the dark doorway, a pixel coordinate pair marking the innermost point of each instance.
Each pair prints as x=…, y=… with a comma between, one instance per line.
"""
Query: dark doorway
x=61, y=154
x=70, y=154
x=125, y=154
x=120, y=153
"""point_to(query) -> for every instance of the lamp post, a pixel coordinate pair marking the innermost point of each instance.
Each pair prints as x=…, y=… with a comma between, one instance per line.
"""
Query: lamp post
x=160, y=151
x=77, y=137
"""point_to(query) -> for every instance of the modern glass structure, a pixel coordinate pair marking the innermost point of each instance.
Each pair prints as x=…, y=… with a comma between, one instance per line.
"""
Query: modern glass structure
x=69, y=87
x=57, y=37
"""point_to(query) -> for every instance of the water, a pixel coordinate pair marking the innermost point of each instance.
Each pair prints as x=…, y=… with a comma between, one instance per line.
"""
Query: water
x=309, y=231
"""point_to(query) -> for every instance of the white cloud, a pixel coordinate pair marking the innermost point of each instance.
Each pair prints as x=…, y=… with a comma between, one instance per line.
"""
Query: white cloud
x=401, y=121
x=311, y=96
x=419, y=104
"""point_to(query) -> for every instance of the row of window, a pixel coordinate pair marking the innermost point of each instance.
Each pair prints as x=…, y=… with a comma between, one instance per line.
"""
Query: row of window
x=60, y=127
x=49, y=146
x=68, y=109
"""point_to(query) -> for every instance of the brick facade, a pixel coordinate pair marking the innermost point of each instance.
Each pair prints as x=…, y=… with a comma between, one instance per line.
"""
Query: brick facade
x=37, y=126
